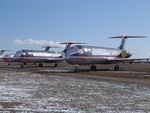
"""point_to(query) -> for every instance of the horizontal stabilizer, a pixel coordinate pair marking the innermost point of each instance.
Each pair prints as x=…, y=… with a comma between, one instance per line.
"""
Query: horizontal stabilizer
x=3, y=50
x=124, y=36
x=48, y=47
x=51, y=46
x=72, y=43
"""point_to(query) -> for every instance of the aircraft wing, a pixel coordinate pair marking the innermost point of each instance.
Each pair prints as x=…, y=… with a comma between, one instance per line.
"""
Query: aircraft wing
x=128, y=60
x=55, y=59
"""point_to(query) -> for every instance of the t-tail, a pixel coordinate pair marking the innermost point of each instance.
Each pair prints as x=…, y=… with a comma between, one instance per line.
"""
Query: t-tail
x=2, y=51
x=123, y=41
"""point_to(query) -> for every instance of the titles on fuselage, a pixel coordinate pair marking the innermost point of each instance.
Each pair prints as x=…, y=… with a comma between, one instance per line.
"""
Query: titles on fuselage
x=90, y=50
x=32, y=53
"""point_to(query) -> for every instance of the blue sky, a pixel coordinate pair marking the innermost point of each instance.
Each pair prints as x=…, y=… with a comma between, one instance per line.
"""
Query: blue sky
x=89, y=21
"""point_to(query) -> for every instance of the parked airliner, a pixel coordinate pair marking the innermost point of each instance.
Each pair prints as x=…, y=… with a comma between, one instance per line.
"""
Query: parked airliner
x=81, y=54
x=25, y=56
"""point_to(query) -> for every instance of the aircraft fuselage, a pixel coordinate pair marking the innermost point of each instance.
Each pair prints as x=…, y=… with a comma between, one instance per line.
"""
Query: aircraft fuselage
x=84, y=55
x=31, y=56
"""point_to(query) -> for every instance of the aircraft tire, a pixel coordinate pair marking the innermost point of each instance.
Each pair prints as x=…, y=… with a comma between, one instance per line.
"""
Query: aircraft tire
x=55, y=65
x=40, y=65
x=22, y=66
x=93, y=68
x=117, y=68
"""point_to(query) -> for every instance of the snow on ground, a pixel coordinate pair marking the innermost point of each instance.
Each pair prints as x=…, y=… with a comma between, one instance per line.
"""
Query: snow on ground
x=30, y=92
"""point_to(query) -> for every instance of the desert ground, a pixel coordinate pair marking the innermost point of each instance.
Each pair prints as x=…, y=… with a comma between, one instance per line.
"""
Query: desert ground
x=58, y=90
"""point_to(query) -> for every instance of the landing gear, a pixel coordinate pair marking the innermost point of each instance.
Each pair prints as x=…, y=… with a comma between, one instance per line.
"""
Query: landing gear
x=147, y=61
x=22, y=66
x=74, y=69
x=24, y=63
x=117, y=67
x=131, y=62
x=55, y=65
x=93, y=68
x=34, y=63
x=40, y=65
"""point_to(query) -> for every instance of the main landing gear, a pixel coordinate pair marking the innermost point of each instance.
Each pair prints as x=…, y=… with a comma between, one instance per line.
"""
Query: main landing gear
x=40, y=65
x=55, y=65
x=22, y=65
x=74, y=69
x=117, y=67
x=93, y=68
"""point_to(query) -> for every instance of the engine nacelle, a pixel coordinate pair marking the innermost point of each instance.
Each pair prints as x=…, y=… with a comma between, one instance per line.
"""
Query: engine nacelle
x=125, y=54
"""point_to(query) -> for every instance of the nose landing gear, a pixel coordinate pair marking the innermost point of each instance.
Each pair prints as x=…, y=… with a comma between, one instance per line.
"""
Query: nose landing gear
x=40, y=65
x=55, y=65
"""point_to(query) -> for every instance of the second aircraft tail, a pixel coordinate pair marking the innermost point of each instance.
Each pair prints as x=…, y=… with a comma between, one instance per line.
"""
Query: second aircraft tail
x=123, y=41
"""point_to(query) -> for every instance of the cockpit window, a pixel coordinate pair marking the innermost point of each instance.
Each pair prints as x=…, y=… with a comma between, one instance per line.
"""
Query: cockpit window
x=20, y=53
x=79, y=46
x=87, y=51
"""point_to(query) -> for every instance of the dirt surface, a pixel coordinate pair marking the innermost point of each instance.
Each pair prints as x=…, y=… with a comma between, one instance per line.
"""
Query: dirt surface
x=58, y=90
